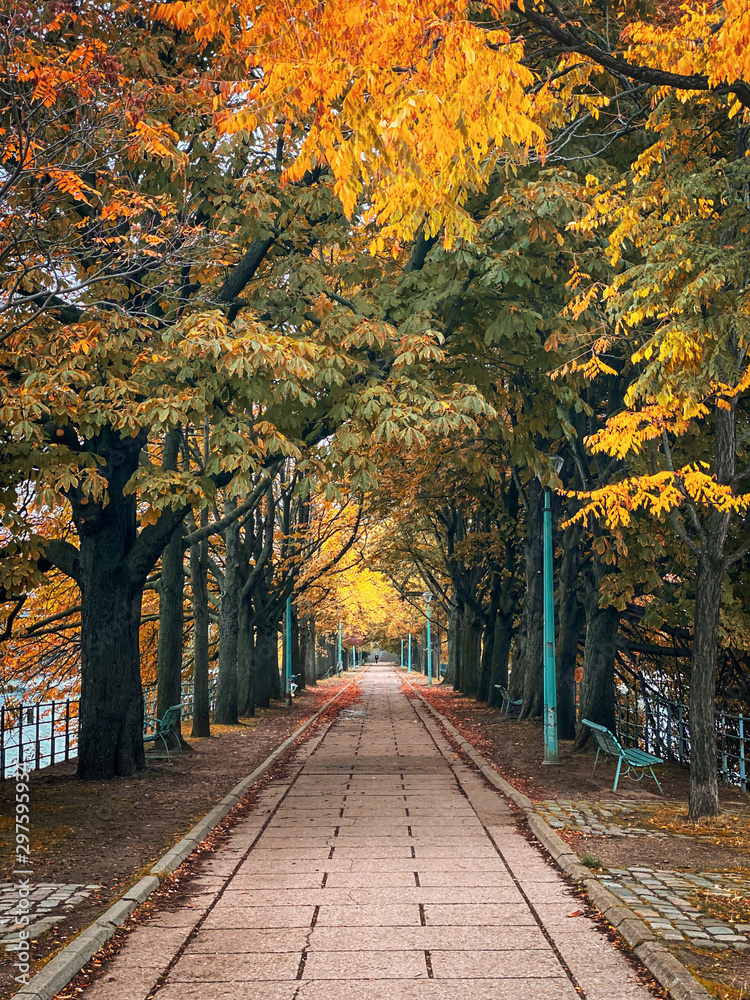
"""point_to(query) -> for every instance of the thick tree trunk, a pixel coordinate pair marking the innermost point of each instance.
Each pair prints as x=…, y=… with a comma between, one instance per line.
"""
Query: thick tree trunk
x=225, y=712
x=470, y=653
x=111, y=708
x=111, y=735
x=199, y=588
x=571, y=618
x=533, y=610
x=265, y=663
x=500, y=656
x=488, y=649
x=246, y=661
x=169, y=654
x=527, y=676
x=453, y=619
x=597, y=695
x=704, y=784
x=307, y=651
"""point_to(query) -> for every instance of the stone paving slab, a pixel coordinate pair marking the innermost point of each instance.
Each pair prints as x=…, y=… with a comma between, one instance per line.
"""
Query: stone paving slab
x=387, y=869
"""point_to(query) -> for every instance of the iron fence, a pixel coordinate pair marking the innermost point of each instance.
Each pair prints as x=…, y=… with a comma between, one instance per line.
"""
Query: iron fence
x=40, y=733
x=660, y=725
x=46, y=732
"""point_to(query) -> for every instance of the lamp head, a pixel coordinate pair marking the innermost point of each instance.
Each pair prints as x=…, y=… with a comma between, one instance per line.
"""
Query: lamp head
x=427, y=596
x=556, y=461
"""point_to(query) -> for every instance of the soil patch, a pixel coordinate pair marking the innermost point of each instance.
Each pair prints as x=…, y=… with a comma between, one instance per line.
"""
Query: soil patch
x=109, y=833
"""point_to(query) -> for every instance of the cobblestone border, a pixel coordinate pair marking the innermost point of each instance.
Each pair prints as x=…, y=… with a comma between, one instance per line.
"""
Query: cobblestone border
x=661, y=963
x=69, y=961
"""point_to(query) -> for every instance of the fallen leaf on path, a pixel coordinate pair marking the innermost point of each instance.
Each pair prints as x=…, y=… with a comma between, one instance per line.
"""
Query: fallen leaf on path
x=575, y=913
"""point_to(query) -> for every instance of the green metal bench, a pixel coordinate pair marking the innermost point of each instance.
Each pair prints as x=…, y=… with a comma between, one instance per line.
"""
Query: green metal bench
x=635, y=760
x=508, y=702
x=162, y=729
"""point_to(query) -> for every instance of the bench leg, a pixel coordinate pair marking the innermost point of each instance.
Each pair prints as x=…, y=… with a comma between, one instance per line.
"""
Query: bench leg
x=617, y=775
x=657, y=781
x=596, y=761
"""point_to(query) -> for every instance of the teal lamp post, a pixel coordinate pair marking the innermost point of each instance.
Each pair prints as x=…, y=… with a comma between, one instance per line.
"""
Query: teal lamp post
x=409, y=653
x=401, y=661
x=427, y=598
x=288, y=657
x=339, y=664
x=550, y=672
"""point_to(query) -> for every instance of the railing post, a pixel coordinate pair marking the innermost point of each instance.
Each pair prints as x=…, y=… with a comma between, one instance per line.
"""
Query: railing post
x=38, y=742
x=20, y=735
x=723, y=734
x=2, y=742
x=52, y=737
x=681, y=729
x=67, y=728
x=743, y=778
x=669, y=729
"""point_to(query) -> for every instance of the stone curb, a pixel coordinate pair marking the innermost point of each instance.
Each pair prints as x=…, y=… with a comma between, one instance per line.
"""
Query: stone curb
x=660, y=962
x=69, y=961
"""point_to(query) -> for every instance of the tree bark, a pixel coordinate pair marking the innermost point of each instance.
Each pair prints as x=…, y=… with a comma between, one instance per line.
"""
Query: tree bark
x=470, y=653
x=500, y=656
x=246, y=661
x=169, y=654
x=704, y=785
x=453, y=619
x=571, y=618
x=533, y=610
x=307, y=655
x=704, y=781
x=199, y=587
x=488, y=650
x=597, y=700
x=225, y=712
x=111, y=725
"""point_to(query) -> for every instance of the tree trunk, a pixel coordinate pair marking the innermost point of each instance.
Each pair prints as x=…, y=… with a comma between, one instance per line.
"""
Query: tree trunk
x=307, y=643
x=169, y=655
x=704, y=784
x=597, y=695
x=111, y=726
x=111, y=708
x=453, y=618
x=265, y=651
x=225, y=713
x=470, y=653
x=246, y=660
x=199, y=588
x=500, y=656
x=533, y=610
x=571, y=618
x=488, y=650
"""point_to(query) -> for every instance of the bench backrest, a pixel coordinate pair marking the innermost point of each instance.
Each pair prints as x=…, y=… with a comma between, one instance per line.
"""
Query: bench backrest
x=170, y=717
x=606, y=740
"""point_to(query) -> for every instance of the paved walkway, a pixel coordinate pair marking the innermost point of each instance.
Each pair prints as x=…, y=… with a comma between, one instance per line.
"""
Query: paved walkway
x=381, y=867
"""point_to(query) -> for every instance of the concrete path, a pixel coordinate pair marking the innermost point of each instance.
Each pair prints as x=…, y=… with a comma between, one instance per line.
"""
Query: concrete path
x=382, y=867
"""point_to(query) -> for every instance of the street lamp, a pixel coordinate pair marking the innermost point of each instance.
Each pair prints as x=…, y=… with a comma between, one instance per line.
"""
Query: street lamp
x=288, y=657
x=409, y=670
x=427, y=598
x=550, y=672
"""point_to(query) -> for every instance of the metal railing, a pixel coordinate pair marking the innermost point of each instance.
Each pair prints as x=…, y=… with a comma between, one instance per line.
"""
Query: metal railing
x=660, y=725
x=42, y=733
